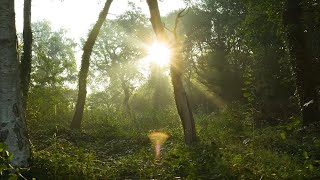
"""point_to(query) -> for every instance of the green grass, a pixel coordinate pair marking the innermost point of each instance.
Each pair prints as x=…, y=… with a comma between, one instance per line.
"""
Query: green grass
x=117, y=147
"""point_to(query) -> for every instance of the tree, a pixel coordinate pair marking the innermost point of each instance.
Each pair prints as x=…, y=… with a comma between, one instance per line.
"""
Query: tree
x=54, y=63
x=213, y=53
x=181, y=99
x=27, y=51
x=13, y=127
x=302, y=62
x=117, y=51
x=83, y=74
x=225, y=39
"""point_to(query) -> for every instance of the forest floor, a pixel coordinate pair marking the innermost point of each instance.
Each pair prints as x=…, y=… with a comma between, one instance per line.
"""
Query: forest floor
x=228, y=148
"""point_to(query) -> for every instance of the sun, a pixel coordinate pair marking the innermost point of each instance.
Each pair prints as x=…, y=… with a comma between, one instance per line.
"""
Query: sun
x=159, y=53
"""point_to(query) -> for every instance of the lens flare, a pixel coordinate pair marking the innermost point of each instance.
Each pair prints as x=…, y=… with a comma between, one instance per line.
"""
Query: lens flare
x=157, y=139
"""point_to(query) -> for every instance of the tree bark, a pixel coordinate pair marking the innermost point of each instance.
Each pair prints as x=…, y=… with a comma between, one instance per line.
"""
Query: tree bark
x=13, y=130
x=83, y=74
x=180, y=96
x=27, y=51
x=301, y=60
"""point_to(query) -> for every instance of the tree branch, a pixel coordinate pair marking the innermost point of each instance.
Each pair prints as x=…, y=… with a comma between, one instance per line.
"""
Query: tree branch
x=181, y=14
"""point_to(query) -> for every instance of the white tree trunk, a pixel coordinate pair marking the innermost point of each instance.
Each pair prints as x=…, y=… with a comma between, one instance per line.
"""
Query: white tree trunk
x=12, y=121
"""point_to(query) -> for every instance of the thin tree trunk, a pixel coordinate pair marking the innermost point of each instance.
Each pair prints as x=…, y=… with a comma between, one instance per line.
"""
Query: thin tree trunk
x=181, y=99
x=13, y=130
x=180, y=96
x=126, y=98
x=301, y=60
x=27, y=50
x=83, y=74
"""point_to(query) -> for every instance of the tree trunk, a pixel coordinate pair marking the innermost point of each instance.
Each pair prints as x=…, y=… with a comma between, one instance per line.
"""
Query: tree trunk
x=83, y=74
x=27, y=51
x=126, y=98
x=13, y=130
x=181, y=99
x=301, y=60
x=180, y=96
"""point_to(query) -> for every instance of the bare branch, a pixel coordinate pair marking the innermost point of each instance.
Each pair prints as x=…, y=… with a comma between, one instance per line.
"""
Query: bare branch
x=181, y=14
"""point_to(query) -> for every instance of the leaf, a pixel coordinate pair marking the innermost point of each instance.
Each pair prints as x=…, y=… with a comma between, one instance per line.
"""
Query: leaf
x=250, y=99
x=10, y=156
x=7, y=153
x=283, y=136
x=2, y=167
x=305, y=154
x=244, y=89
x=2, y=147
x=311, y=167
x=13, y=177
x=317, y=143
x=246, y=95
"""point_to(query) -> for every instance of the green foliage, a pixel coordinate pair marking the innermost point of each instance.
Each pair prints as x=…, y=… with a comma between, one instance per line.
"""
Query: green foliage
x=5, y=157
x=62, y=159
x=7, y=171
x=53, y=60
x=114, y=146
x=279, y=152
x=233, y=45
x=116, y=54
x=50, y=105
x=177, y=162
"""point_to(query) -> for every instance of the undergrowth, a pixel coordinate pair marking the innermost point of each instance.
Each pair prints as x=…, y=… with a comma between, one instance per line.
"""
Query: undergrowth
x=117, y=147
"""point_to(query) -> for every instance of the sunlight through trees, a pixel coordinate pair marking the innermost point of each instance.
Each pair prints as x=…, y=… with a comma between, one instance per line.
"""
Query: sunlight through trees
x=183, y=89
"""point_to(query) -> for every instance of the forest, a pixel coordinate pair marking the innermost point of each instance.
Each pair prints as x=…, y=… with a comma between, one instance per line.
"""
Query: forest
x=218, y=89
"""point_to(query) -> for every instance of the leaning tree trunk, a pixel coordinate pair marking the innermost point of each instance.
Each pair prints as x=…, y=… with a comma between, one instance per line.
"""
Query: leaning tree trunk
x=180, y=95
x=83, y=74
x=301, y=61
x=13, y=130
x=27, y=50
